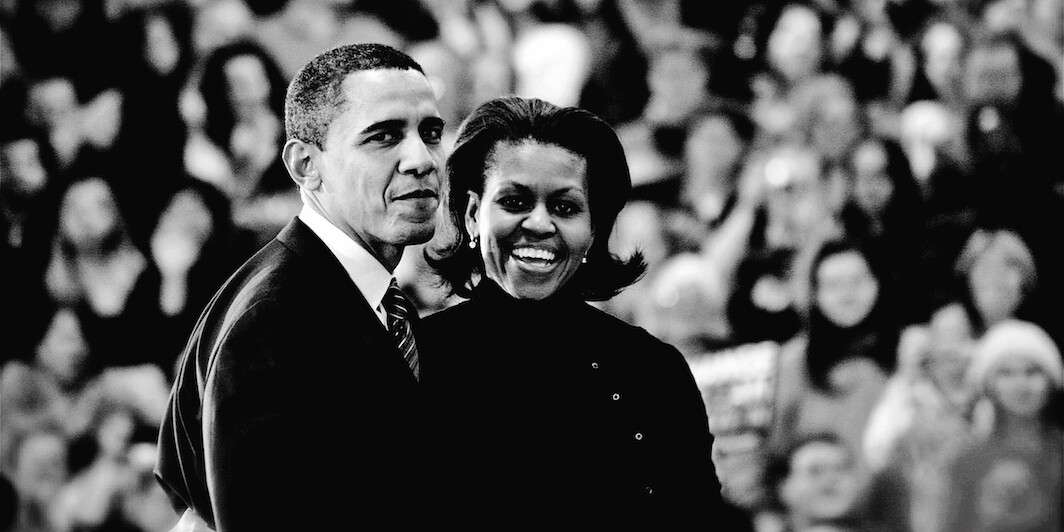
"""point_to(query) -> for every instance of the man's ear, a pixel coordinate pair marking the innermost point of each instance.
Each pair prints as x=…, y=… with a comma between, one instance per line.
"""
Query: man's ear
x=471, y=213
x=301, y=161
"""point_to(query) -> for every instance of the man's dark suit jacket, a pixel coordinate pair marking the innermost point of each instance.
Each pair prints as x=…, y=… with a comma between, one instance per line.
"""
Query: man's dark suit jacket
x=311, y=415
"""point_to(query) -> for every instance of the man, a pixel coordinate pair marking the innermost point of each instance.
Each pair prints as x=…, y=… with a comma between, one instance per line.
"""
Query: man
x=295, y=406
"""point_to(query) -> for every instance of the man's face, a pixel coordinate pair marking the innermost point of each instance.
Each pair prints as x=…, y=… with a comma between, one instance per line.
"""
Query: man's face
x=379, y=165
x=821, y=483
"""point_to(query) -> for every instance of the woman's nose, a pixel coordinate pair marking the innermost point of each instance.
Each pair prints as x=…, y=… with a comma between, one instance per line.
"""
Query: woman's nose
x=539, y=220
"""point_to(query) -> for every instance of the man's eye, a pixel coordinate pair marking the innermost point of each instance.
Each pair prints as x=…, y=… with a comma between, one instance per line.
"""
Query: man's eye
x=432, y=135
x=385, y=137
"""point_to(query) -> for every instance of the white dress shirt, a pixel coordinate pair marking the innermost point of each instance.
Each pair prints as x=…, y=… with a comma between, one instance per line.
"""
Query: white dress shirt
x=368, y=274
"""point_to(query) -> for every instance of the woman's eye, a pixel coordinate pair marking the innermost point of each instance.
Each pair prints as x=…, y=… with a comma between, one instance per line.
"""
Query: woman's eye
x=566, y=208
x=513, y=203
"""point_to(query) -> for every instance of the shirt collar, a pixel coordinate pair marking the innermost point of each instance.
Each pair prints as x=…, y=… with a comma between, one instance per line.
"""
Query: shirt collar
x=368, y=274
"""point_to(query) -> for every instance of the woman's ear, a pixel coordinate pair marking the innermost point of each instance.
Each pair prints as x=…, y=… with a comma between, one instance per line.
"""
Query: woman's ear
x=472, y=212
x=300, y=159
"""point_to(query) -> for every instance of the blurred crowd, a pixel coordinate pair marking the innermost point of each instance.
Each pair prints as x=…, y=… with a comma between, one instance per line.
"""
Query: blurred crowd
x=874, y=186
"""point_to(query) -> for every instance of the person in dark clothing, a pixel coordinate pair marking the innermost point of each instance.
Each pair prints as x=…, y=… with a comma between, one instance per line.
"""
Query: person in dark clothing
x=559, y=411
x=296, y=404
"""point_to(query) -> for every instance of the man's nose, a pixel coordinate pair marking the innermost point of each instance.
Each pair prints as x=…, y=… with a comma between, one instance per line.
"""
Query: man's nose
x=416, y=158
x=539, y=220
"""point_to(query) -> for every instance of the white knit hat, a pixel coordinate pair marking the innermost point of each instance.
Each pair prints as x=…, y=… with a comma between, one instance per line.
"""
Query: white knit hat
x=1012, y=338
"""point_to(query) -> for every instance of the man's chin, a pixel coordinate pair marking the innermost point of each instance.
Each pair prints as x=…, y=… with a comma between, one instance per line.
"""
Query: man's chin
x=417, y=233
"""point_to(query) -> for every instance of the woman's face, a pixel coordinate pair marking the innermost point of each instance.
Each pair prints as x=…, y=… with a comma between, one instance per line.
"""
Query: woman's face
x=872, y=187
x=795, y=44
x=996, y=286
x=160, y=48
x=846, y=289
x=1020, y=385
x=247, y=79
x=942, y=46
x=89, y=213
x=534, y=218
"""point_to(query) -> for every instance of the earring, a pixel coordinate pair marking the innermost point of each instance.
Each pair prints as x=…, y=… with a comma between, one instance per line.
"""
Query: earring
x=473, y=242
x=583, y=260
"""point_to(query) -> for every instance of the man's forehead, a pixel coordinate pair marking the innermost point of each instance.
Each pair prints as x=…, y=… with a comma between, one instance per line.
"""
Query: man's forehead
x=379, y=91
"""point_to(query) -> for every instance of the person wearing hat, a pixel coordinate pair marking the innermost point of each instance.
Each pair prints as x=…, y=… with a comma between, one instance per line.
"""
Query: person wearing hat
x=1009, y=478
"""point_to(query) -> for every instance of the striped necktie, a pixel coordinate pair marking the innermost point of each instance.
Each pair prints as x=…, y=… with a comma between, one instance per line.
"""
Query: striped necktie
x=400, y=314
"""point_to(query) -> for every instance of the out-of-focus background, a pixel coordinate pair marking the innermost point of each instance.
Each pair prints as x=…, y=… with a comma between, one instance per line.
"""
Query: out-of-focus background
x=140, y=165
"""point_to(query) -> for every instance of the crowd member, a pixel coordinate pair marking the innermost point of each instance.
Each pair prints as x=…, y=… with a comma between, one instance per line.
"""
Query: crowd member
x=831, y=374
x=156, y=68
x=886, y=210
x=194, y=245
x=922, y=419
x=622, y=437
x=28, y=218
x=97, y=268
x=1010, y=477
x=816, y=483
x=243, y=93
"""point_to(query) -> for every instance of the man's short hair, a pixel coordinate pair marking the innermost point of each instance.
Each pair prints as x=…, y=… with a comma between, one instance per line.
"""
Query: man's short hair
x=315, y=96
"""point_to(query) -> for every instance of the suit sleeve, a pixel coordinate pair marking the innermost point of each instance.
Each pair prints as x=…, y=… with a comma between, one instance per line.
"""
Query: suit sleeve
x=255, y=465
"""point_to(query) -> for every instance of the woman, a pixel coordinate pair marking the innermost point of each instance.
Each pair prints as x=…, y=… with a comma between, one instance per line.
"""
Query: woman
x=243, y=97
x=831, y=374
x=1010, y=478
x=559, y=411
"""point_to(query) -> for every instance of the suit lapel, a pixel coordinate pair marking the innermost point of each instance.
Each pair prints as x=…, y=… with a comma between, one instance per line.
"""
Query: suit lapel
x=340, y=292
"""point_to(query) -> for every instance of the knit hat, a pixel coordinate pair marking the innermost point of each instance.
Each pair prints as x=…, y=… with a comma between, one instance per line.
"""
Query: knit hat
x=1011, y=338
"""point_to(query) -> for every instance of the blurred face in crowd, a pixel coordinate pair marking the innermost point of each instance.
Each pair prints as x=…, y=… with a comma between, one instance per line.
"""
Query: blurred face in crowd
x=183, y=228
x=58, y=14
x=795, y=197
x=872, y=186
x=996, y=284
x=1020, y=385
x=376, y=176
x=835, y=125
x=795, y=45
x=89, y=214
x=846, y=290
x=40, y=466
x=161, y=50
x=534, y=218
x=992, y=74
x=712, y=151
x=248, y=83
x=942, y=46
x=821, y=482
x=53, y=101
x=678, y=79
x=20, y=163
x=63, y=351
x=949, y=349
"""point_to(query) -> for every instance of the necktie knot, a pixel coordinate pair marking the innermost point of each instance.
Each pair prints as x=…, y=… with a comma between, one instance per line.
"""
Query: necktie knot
x=400, y=312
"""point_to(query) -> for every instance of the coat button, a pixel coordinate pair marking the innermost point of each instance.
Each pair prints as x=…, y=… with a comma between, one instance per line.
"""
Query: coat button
x=638, y=436
x=616, y=397
x=594, y=365
x=648, y=490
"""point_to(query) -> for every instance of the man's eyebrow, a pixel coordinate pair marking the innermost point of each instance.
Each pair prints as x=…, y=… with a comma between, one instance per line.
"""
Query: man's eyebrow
x=385, y=125
x=433, y=121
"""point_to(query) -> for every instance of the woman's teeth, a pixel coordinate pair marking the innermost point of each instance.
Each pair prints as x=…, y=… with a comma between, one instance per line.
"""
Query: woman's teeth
x=534, y=254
